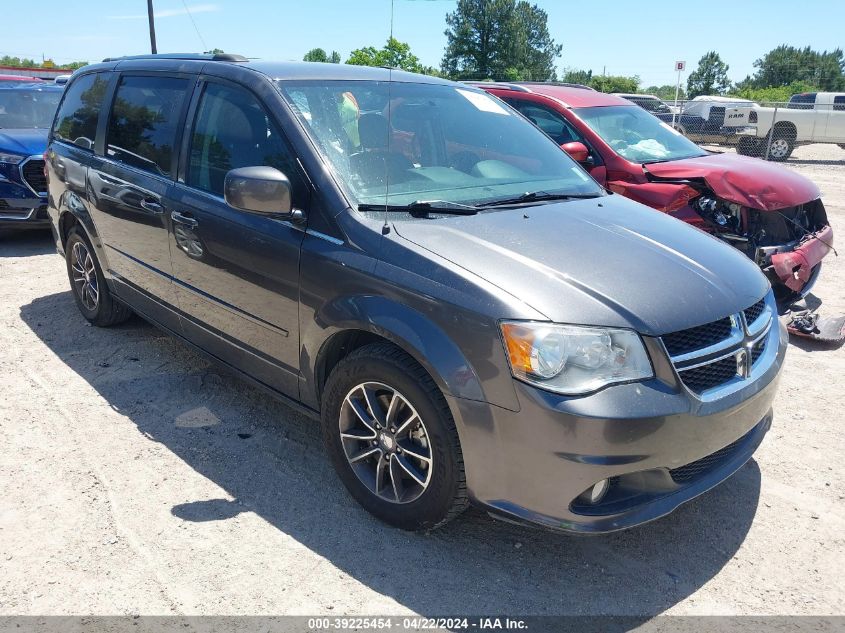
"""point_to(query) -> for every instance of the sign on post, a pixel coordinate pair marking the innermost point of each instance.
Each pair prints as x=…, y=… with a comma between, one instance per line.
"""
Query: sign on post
x=680, y=67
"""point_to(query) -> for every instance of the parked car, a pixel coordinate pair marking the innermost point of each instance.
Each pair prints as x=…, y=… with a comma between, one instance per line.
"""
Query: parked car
x=26, y=112
x=812, y=117
x=773, y=215
x=649, y=103
x=18, y=78
x=471, y=316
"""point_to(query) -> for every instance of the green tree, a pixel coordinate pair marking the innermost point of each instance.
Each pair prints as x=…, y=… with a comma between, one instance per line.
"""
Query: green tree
x=602, y=83
x=319, y=55
x=500, y=40
x=394, y=54
x=19, y=62
x=575, y=76
x=615, y=83
x=787, y=65
x=666, y=92
x=772, y=93
x=710, y=77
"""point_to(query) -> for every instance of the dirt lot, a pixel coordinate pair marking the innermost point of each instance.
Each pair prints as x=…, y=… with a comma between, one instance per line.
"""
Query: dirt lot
x=136, y=478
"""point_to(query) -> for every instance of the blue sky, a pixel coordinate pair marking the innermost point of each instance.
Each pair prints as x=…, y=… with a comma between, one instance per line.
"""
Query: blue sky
x=643, y=38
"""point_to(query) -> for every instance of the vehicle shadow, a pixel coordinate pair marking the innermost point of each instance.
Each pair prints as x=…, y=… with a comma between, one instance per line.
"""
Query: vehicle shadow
x=270, y=460
x=26, y=243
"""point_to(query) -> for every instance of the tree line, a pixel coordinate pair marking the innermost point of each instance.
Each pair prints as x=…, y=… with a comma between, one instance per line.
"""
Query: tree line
x=23, y=62
x=509, y=40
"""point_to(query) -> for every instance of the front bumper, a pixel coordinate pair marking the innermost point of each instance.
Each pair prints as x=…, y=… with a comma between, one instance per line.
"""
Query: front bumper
x=795, y=268
x=657, y=443
x=21, y=209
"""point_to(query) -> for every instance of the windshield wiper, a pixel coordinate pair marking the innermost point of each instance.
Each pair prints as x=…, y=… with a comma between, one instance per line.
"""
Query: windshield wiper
x=539, y=196
x=422, y=208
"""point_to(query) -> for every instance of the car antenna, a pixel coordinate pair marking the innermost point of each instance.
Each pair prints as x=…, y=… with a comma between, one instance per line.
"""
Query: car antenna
x=385, y=229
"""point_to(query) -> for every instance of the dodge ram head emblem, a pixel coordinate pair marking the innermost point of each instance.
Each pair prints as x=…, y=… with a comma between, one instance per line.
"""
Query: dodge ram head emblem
x=743, y=366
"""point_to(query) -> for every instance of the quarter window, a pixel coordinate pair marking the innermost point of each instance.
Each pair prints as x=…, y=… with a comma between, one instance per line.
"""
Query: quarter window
x=144, y=120
x=76, y=121
x=232, y=130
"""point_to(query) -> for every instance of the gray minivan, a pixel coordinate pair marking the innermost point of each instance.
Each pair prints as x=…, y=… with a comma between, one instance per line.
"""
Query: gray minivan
x=470, y=315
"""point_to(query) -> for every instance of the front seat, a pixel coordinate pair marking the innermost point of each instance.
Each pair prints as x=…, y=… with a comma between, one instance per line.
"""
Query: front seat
x=374, y=164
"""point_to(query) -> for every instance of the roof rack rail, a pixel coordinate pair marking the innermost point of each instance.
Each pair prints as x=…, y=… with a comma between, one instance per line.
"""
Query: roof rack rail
x=210, y=57
x=499, y=84
x=562, y=84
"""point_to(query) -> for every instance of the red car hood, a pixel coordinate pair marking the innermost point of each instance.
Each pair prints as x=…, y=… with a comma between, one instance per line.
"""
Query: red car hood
x=750, y=182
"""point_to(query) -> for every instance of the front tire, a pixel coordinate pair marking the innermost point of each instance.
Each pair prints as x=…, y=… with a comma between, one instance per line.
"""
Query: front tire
x=88, y=285
x=392, y=439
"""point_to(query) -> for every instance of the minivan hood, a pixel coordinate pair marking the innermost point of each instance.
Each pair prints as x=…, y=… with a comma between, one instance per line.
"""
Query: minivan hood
x=606, y=261
x=26, y=142
x=748, y=181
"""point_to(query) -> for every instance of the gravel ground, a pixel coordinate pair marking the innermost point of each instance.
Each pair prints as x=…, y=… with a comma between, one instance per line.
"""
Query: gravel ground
x=137, y=478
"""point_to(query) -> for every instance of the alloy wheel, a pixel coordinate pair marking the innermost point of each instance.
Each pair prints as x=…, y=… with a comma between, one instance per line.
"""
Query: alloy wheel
x=385, y=442
x=84, y=276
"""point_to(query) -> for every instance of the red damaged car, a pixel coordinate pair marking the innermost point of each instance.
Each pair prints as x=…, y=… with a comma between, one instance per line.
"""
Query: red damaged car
x=770, y=213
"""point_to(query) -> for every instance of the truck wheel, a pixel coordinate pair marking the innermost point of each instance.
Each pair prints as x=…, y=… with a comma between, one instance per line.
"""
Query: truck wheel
x=392, y=439
x=748, y=146
x=88, y=285
x=781, y=148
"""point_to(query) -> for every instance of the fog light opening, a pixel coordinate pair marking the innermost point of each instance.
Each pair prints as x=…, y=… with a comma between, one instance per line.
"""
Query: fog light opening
x=595, y=493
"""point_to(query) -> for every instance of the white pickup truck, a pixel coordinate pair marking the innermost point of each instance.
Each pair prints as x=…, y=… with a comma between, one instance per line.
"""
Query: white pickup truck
x=813, y=117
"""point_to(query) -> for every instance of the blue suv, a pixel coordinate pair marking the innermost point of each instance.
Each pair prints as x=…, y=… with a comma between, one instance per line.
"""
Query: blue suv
x=26, y=113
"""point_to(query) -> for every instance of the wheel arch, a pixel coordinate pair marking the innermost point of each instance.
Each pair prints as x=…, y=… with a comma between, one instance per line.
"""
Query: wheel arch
x=787, y=128
x=74, y=212
x=348, y=323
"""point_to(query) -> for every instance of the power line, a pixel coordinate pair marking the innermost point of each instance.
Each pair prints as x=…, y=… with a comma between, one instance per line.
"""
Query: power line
x=199, y=35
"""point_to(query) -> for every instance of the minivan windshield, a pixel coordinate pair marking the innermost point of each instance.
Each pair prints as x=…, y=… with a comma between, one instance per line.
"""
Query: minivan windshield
x=637, y=135
x=21, y=108
x=397, y=143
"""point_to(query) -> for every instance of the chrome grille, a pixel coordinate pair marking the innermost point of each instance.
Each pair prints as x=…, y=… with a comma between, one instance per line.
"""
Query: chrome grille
x=753, y=313
x=698, y=337
x=724, y=352
x=711, y=375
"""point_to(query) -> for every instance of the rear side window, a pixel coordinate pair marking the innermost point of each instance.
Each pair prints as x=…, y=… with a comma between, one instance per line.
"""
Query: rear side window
x=232, y=130
x=804, y=101
x=839, y=103
x=76, y=120
x=547, y=120
x=144, y=120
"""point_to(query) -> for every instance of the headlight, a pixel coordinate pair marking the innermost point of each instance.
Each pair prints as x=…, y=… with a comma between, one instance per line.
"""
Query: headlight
x=12, y=159
x=574, y=359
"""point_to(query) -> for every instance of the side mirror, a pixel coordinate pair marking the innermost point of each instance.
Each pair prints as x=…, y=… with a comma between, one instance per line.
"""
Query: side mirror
x=262, y=190
x=577, y=150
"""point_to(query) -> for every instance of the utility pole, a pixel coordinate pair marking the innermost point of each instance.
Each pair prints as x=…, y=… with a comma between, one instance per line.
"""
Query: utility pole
x=152, y=27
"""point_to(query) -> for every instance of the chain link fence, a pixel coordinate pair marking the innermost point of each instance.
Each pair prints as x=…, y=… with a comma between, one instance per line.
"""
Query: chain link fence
x=810, y=127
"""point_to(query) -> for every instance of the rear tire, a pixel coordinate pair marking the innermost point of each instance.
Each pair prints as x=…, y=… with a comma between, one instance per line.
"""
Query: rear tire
x=749, y=146
x=88, y=285
x=392, y=440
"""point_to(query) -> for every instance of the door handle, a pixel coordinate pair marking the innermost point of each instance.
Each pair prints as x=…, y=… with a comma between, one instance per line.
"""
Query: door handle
x=152, y=206
x=182, y=218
